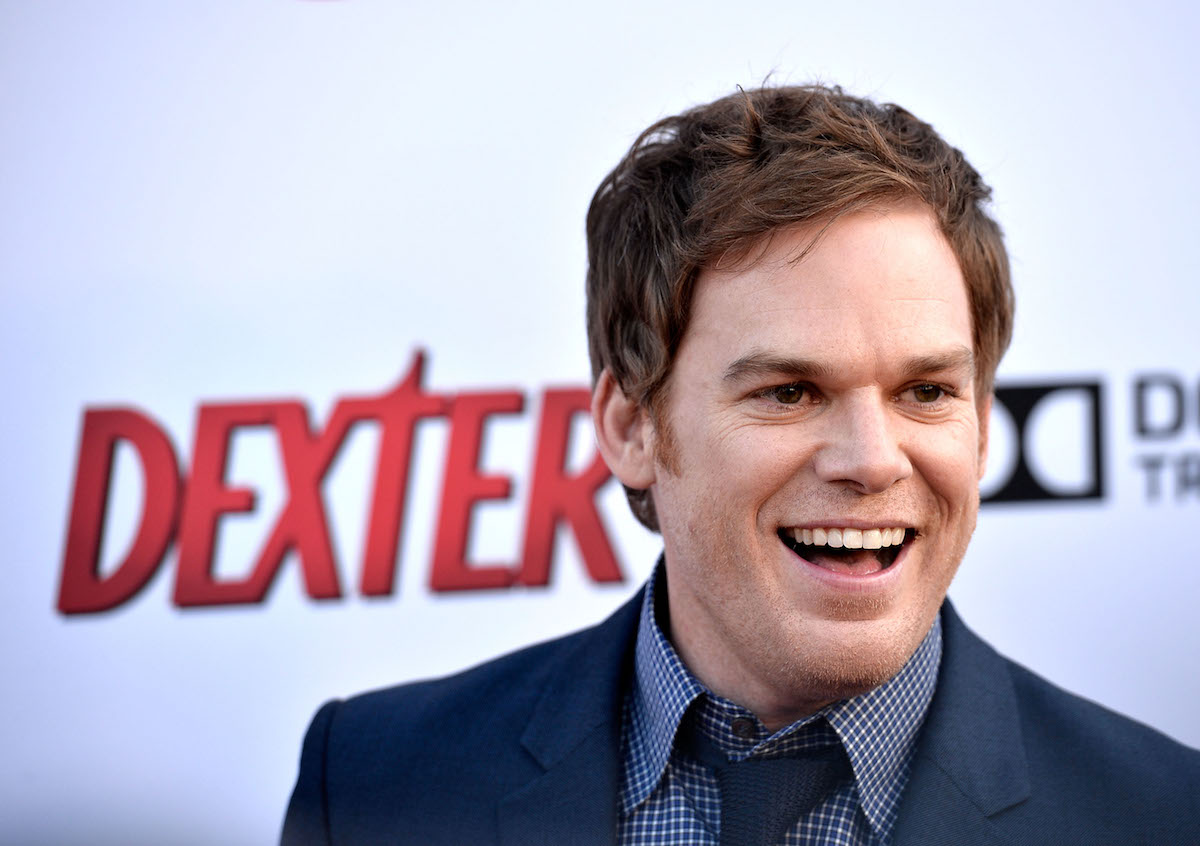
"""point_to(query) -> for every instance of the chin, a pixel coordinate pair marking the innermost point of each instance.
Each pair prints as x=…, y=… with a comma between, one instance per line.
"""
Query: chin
x=852, y=657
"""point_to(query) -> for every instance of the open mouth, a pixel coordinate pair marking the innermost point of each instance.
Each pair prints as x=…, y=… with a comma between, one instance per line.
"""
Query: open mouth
x=857, y=551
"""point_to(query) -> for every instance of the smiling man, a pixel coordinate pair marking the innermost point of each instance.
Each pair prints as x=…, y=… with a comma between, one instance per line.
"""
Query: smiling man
x=815, y=466
x=796, y=305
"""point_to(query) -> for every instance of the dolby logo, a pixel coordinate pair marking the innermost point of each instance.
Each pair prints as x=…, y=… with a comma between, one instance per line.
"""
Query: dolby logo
x=1046, y=442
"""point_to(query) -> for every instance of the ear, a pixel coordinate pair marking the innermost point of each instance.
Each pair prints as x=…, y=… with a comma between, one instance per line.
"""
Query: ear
x=624, y=433
x=985, y=417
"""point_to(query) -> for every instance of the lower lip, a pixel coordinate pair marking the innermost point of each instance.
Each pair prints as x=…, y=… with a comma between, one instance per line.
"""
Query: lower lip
x=868, y=583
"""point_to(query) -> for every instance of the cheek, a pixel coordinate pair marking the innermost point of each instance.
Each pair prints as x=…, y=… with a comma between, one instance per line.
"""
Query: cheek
x=733, y=454
x=951, y=466
x=723, y=486
x=756, y=464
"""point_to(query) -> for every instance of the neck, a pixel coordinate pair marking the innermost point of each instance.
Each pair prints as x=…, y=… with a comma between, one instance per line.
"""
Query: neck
x=733, y=677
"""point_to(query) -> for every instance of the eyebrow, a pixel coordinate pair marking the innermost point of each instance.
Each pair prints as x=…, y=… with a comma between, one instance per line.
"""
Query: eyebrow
x=758, y=364
x=955, y=358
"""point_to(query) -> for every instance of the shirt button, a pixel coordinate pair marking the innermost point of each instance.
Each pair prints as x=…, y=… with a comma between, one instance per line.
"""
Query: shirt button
x=744, y=728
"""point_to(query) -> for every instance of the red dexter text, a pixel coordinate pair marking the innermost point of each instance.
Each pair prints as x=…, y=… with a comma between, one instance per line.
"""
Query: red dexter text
x=185, y=508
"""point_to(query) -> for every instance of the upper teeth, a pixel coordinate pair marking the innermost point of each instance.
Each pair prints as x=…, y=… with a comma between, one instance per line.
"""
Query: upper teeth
x=850, y=538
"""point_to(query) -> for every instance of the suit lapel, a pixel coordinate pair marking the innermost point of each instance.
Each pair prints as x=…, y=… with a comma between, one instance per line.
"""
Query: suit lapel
x=575, y=735
x=970, y=762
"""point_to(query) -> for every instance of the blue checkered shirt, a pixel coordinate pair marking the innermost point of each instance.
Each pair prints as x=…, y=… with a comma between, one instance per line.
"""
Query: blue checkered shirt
x=666, y=797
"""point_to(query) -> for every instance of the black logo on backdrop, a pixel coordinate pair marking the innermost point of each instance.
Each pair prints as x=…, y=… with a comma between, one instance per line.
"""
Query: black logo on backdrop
x=1027, y=482
x=1057, y=440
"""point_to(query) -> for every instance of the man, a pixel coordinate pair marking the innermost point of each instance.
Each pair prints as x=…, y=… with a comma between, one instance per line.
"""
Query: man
x=796, y=306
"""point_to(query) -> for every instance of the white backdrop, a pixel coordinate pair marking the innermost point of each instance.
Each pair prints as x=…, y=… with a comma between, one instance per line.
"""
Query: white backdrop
x=225, y=201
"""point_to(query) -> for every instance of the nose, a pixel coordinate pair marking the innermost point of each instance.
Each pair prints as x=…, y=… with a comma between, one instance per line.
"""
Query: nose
x=862, y=448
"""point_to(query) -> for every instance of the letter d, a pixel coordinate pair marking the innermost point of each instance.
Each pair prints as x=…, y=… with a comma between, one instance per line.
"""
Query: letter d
x=81, y=589
x=1172, y=395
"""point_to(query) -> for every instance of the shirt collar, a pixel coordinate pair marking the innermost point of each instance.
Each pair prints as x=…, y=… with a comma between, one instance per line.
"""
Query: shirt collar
x=878, y=728
x=662, y=692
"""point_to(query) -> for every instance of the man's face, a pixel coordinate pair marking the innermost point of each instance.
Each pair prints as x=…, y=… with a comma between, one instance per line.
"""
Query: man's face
x=833, y=396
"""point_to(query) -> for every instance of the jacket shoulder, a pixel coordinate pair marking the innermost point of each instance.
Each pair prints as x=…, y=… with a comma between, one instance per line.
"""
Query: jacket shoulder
x=434, y=758
x=1100, y=777
x=1064, y=731
x=1006, y=757
x=483, y=698
x=452, y=725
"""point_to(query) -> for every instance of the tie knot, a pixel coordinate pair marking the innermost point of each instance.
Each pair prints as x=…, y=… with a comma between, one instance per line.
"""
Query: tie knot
x=761, y=798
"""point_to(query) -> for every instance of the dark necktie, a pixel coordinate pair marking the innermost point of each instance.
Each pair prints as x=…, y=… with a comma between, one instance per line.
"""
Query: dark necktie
x=761, y=798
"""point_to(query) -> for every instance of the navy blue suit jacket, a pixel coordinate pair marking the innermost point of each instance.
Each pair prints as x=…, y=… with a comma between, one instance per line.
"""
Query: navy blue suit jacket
x=525, y=750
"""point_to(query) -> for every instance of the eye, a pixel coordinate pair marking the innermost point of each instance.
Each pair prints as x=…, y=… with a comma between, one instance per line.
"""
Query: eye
x=927, y=393
x=787, y=394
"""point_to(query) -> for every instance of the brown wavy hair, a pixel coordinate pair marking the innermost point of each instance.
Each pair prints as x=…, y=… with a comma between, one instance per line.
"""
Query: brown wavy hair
x=706, y=185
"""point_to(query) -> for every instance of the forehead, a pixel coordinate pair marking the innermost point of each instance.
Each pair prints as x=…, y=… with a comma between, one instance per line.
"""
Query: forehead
x=872, y=285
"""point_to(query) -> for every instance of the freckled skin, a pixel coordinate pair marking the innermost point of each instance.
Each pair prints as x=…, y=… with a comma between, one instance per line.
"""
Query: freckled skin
x=863, y=439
